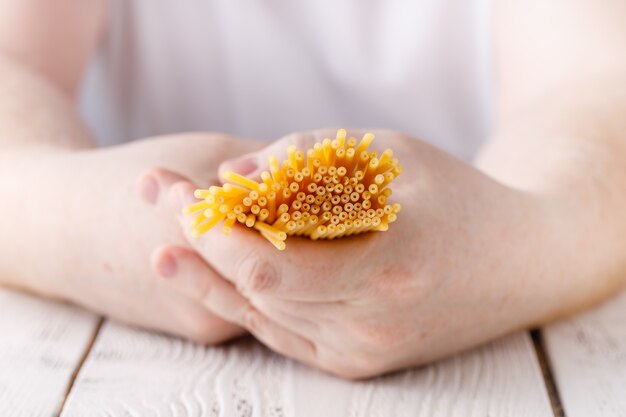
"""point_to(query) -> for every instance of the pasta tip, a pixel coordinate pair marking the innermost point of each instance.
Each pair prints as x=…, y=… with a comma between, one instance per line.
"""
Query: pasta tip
x=335, y=189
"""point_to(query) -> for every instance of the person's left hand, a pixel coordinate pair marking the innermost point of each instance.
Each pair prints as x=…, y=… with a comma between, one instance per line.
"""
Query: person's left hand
x=465, y=262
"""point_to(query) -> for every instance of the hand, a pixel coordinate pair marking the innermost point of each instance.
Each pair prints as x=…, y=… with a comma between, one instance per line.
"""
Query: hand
x=95, y=234
x=465, y=262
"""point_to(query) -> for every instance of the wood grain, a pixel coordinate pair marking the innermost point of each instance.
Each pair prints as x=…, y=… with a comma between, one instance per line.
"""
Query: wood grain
x=41, y=344
x=131, y=372
x=588, y=358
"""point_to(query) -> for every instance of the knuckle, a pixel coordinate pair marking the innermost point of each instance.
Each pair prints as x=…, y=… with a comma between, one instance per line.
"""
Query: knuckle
x=380, y=338
x=394, y=283
x=255, y=272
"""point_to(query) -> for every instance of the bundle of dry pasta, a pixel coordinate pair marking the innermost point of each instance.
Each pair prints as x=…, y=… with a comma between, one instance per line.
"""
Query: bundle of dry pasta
x=335, y=189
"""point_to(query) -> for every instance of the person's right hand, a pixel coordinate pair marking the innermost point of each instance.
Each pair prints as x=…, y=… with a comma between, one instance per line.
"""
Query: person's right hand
x=90, y=236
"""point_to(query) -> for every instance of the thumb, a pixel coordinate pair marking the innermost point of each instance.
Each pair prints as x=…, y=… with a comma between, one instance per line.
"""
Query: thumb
x=155, y=182
x=252, y=164
x=245, y=165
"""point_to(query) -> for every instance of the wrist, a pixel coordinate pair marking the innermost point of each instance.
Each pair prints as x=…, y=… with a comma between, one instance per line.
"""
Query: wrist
x=570, y=257
x=577, y=182
x=32, y=220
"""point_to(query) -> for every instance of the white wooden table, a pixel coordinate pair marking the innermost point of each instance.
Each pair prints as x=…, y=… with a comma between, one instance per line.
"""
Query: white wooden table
x=57, y=359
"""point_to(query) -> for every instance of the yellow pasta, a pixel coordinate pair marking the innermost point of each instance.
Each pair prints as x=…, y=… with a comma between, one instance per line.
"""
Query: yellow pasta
x=337, y=188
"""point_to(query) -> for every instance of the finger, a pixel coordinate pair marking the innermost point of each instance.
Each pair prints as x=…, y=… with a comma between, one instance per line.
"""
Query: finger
x=186, y=317
x=151, y=183
x=244, y=165
x=329, y=324
x=305, y=270
x=303, y=326
x=319, y=312
x=315, y=321
x=190, y=275
x=197, y=323
x=280, y=339
x=252, y=164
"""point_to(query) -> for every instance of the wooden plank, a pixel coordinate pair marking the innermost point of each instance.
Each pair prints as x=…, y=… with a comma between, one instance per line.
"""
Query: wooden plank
x=138, y=373
x=588, y=358
x=41, y=345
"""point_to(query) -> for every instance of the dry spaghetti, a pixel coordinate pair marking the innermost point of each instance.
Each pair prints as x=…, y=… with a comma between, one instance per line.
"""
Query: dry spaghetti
x=337, y=188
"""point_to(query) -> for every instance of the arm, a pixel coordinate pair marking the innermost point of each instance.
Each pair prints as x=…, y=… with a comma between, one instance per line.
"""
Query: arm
x=536, y=233
x=70, y=223
x=561, y=130
x=43, y=48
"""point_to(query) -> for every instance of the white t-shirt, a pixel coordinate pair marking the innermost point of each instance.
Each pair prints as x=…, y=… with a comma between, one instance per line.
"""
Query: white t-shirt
x=265, y=68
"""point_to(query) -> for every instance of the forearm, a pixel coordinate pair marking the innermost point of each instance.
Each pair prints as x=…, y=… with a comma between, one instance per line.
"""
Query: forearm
x=568, y=149
x=33, y=215
x=34, y=113
x=36, y=120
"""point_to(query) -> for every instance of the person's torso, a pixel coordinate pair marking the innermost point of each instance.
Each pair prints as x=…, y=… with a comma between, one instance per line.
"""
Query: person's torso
x=262, y=69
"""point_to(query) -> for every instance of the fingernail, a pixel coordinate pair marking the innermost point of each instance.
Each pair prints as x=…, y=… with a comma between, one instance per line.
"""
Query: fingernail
x=149, y=189
x=167, y=266
x=244, y=166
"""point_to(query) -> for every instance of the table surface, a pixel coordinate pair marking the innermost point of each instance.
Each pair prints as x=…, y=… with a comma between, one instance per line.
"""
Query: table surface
x=57, y=359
